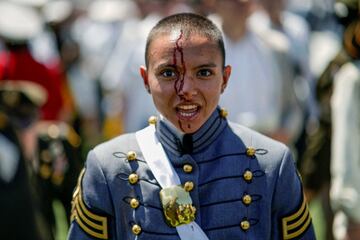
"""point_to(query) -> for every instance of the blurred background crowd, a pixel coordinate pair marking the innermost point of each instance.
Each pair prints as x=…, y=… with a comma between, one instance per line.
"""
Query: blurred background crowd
x=69, y=80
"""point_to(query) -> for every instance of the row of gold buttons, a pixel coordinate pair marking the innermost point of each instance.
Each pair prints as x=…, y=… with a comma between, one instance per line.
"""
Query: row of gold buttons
x=248, y=176
x=133, y=179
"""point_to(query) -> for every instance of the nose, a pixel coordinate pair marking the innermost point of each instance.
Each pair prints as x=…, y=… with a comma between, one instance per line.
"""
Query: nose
x=187, y=88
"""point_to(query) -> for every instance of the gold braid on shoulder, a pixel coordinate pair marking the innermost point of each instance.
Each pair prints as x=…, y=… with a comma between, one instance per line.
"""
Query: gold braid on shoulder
x=91, y=223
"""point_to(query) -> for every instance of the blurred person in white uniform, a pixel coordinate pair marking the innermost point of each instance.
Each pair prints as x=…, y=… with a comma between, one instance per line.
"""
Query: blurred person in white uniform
x=261, y=96
x=96, y=29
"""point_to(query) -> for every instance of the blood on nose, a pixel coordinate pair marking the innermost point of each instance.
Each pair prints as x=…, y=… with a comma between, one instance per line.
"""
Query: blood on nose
x=188, y=89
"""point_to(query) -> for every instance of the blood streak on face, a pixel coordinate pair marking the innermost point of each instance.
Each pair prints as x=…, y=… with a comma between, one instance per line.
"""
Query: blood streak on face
x=189, y=102
x=179, y=82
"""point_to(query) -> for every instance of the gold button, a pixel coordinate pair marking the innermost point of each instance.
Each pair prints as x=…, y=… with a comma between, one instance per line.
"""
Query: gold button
x=246, y=199
x=45, y=171
x=131, y=155
x=136, y=229
x=189, y=186
x=245, y=225
x=133, y=178
x=134, y=203
x=187, y=168
x=152, y=120
x=248, y=175
x=250, y=151
x=223, y=113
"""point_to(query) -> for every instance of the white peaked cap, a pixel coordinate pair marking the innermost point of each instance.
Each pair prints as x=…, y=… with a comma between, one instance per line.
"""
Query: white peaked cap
x=57, y=11
x=36, y=93
x=112, y=10
x=18, y=22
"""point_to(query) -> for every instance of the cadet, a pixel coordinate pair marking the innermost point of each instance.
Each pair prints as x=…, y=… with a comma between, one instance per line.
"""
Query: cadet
x=190, y=174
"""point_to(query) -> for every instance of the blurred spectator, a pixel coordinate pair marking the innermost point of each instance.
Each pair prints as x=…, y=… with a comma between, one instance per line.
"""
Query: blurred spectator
x=261, y=77
x=53, y=156
x=58, y=51
x=345, y=116
x=20, y=205
x=20, y=100
x=316, y=162
x=296, y=31
x=103, y=22
x=17, y=62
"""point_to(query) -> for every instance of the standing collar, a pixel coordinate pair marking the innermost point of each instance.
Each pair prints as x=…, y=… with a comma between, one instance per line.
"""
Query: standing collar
x=178, y=142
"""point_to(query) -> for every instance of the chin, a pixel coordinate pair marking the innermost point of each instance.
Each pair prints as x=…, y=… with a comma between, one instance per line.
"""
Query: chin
x=190, y=127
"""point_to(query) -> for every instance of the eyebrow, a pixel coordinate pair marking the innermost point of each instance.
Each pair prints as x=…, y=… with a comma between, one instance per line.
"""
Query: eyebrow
x=165, y=65
x=208, y=65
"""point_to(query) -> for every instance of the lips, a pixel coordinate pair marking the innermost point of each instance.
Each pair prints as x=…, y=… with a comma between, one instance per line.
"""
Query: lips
x=188, y=111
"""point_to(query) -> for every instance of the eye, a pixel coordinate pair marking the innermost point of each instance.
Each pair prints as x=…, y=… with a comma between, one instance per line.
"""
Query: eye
x=168, y=73
x=204, y=73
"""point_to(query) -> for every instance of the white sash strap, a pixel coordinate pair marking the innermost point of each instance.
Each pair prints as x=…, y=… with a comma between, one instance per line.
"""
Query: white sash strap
x=165, y=174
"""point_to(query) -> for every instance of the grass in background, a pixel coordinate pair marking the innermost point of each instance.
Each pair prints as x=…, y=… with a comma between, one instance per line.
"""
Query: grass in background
x=61, y=223
x=317, y=219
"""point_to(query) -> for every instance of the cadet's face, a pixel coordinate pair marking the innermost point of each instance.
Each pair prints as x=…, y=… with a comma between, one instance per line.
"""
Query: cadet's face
x=185, y=77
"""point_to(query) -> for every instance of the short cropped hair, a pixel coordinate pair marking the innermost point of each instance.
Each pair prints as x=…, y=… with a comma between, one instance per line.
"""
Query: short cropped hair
x=188, y=23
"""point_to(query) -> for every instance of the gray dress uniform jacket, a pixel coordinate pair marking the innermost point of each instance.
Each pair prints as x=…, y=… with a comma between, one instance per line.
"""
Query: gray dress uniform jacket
x=243, y=185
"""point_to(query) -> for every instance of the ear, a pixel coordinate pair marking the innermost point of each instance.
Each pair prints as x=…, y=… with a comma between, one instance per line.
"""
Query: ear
x=144, y=75
x=226, y=77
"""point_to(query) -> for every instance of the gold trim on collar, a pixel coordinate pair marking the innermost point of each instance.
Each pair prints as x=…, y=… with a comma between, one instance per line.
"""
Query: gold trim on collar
x=297, y=223
x=93, y=224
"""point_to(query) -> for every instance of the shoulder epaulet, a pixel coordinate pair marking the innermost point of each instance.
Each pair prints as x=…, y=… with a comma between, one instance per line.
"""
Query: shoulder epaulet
x=296, y=223
x=91, y=223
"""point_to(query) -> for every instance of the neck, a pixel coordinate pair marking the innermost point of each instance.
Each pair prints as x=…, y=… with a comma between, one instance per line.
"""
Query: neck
x=177, y=141
x=235, y=32
x=174, y=129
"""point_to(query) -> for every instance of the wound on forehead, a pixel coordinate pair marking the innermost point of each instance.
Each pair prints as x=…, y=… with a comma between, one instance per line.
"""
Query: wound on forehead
x=179, y=82
x=185, y=25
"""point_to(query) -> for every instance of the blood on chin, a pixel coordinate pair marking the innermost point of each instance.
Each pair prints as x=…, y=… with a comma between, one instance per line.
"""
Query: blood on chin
x=186, y=121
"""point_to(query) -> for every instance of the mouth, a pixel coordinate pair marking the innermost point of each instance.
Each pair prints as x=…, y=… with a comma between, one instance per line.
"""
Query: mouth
x=187, y=111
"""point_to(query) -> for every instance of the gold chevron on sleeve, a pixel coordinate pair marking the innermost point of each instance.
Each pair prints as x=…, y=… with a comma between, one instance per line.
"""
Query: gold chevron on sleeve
x=93, y=224
x=297, y=223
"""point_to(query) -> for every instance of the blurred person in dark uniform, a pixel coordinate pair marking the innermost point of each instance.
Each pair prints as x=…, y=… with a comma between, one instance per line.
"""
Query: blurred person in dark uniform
x=315, y=165
x=51, y=145
x=22, y=216
x=25, y=98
